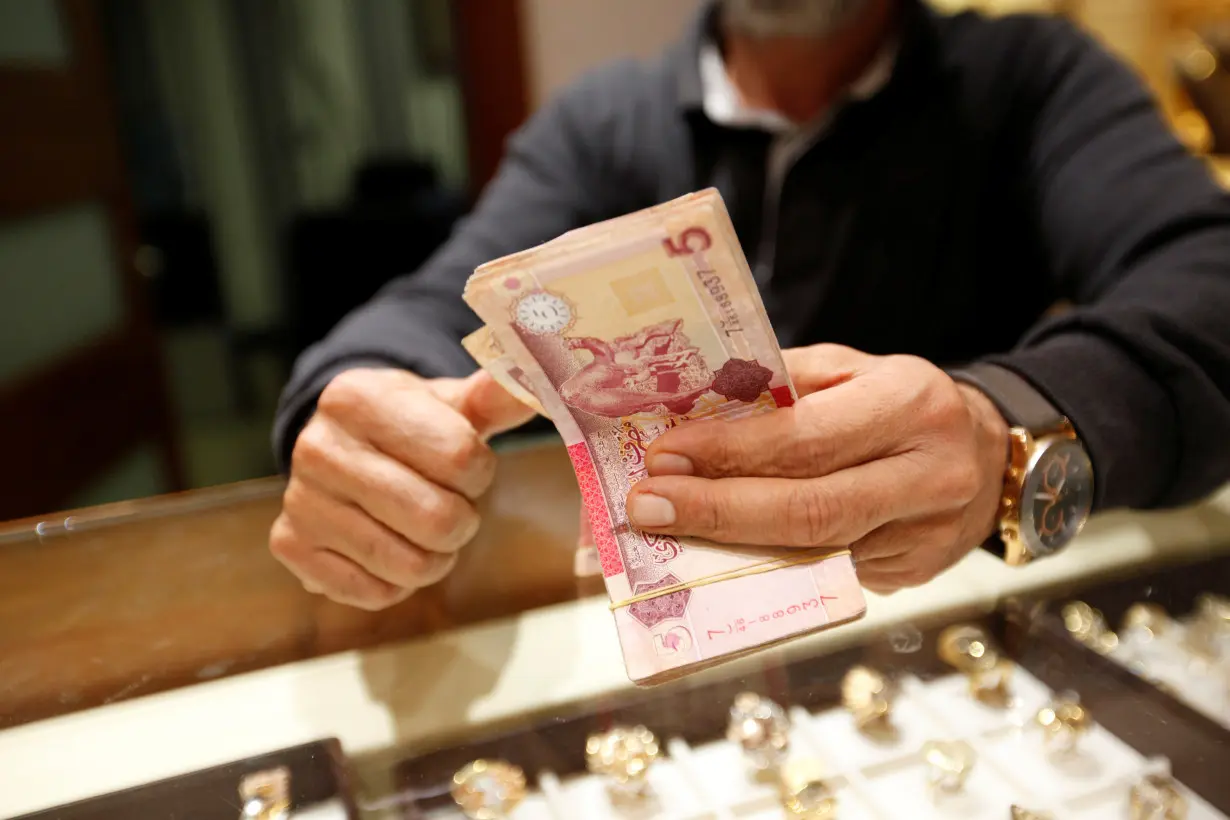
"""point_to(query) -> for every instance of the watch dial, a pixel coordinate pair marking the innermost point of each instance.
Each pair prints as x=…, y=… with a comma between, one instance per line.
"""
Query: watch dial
x=1057, y=497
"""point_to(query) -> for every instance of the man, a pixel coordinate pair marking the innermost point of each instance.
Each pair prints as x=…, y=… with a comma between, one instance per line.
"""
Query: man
x=915, y=190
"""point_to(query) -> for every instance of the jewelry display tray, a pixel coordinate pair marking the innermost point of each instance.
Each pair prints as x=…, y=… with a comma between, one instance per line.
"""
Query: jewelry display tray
x=1139, y=730
x=320, y=789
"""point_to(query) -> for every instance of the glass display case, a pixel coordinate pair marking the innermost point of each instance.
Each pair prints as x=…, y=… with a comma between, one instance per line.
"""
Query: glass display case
x=1092, y=685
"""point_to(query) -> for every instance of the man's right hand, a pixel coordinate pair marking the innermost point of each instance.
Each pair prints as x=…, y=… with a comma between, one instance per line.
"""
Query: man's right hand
x=383, y=482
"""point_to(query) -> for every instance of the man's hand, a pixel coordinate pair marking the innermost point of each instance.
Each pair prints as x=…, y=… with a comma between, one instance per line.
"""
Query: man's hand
x=383, y=480
x=886, y=454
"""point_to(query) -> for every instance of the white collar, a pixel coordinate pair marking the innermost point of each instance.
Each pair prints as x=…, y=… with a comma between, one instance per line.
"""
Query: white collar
x=722, y=103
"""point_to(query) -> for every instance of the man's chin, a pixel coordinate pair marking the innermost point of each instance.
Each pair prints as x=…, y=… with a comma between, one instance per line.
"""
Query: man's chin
x=767, y=19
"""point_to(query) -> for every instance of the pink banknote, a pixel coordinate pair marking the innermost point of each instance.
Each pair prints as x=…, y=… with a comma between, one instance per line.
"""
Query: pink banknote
x=619, y=332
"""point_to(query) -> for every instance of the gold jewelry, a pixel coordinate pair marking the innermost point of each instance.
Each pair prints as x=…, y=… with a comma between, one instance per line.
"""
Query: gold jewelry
x=1156, y=797
x=760, y=727
x=1064, y=722
x=969, y=649
x=990, y=685
x=1088, y=626
x=1208, y=631
x=265, y=795
x=1214, y=608
x=948, y=764
x=868, y=697
x=966, y=647
x=804, y=791
x=623, y=755
x=1145, y=621
x=1019, y=813
x=488, y=789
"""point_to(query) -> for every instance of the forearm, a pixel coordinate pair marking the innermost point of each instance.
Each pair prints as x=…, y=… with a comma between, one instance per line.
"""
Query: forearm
x=1143, y=373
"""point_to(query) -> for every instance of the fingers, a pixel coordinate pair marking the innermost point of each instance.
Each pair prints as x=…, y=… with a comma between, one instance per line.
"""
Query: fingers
x=479, y=398
x=833, y=510
x=887, y=406
x=323, y=571
x=351, y=532
x=395, y=413
x=795, y=442
x=397, y=496
x=845, y=425
x=910, y=553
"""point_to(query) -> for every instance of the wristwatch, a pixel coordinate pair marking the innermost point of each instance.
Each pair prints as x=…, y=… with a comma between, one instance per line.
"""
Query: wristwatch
x=1048, y=486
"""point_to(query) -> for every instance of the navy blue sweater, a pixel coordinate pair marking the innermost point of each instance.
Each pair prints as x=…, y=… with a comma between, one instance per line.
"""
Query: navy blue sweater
x=1008, y=164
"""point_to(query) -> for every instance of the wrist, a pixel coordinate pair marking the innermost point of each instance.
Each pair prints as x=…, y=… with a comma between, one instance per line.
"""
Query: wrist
x=993, y=443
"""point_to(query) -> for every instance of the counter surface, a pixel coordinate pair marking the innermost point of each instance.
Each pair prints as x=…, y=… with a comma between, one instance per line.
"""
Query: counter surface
x=427, y=690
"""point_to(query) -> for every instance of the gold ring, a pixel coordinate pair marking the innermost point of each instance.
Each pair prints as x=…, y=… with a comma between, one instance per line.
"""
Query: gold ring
x=1021, y=813
x=624, y=755
x=948, y=764
x=759, y=727
x=966, y=648
x=265, y=795
x=1064, y=722
x=1208, y=631
x=804, y=791
x=969, y=649
x=1214, y=608
x=488, y=789
x=868, y=697
x=1144, y=622
x=990, y=685
x=1156, y=797
x=1088, y=626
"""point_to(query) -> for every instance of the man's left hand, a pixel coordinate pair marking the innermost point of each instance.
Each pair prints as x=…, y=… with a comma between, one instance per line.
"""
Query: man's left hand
x=886, y=454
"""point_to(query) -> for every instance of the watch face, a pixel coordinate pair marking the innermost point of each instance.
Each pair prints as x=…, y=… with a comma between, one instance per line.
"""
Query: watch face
x=1057, y=496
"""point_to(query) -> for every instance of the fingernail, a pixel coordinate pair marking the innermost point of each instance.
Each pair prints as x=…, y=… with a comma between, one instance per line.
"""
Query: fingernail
x=670, y=464
x=650, y=511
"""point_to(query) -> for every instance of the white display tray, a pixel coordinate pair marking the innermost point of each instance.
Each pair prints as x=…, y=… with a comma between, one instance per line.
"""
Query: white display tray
x=1202, y=683
x=884, y=780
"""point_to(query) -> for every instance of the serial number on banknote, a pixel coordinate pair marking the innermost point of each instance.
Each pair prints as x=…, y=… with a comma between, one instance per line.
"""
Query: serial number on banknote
x=741, y=624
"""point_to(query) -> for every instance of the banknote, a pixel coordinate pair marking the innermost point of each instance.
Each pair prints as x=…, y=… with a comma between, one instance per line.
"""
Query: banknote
x=619, y=332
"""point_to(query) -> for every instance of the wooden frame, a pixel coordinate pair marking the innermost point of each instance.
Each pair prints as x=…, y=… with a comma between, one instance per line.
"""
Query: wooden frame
x=75, y=418
x=491, y=66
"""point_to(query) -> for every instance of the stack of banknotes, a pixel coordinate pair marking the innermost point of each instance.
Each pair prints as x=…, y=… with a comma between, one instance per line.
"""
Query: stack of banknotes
x=618, y=332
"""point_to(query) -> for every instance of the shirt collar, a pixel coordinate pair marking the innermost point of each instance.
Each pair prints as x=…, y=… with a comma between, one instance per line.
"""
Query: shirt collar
x=721, y=103
x=686, y=60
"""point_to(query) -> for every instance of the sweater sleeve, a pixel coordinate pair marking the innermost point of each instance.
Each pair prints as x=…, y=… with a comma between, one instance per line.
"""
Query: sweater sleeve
x=1137, y=234
x=549, y=182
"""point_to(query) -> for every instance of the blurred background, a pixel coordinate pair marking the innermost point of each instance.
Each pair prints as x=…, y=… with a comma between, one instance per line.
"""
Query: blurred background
x=192, y=191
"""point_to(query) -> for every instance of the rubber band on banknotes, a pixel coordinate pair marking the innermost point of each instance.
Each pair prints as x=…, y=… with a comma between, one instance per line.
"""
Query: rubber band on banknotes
x=809, y=557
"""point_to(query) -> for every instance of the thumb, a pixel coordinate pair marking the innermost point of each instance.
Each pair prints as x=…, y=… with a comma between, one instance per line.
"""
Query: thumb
x=479, y=397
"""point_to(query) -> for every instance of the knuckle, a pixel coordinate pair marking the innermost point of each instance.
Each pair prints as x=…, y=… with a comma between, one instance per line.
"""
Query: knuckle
x=916, y=575
x=820, y=446
x=295, y=497
x=715, y=517
x=353, y=586
x=444, y=519
x=344, y=392
x=947, y=534
x=462, y=450
x=283, y=542
x=313, y=448
x=967, y=481
x=809, y=515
